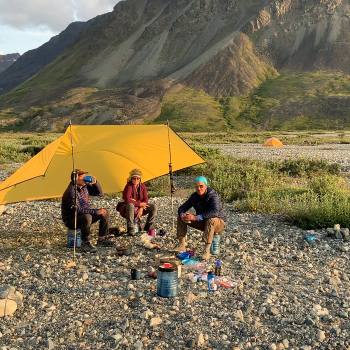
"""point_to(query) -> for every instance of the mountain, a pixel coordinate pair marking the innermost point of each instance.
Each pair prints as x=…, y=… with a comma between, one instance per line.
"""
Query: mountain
x=34, y=60
x=7, y=60
x=147, y=59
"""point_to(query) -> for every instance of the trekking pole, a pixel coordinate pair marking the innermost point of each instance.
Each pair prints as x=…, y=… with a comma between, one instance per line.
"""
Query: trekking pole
x=171, y=177
x=75, y=193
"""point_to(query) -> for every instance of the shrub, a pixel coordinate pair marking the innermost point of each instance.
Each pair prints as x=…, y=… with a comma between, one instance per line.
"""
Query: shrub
x=300, y=167
x=312, y=211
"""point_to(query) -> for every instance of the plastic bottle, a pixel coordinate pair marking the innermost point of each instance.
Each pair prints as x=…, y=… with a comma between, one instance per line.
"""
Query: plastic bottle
x=218, y=264
x=215, y=245
x=88, y=179
x=211, y=282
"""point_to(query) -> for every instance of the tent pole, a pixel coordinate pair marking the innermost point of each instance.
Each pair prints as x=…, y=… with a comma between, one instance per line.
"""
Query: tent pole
x=171, y=177
x=75, y=193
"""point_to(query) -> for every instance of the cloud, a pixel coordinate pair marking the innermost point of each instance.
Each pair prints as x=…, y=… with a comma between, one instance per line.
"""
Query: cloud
x=53, y=15
x=86, y=9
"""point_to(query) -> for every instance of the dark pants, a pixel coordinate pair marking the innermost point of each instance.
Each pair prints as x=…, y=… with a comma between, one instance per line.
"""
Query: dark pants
x=84, y=222
x=129, y=212
x=210, y=227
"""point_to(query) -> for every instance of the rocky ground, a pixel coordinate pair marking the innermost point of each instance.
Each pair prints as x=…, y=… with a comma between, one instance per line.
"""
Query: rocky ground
x=286, y=295
x=335, y=153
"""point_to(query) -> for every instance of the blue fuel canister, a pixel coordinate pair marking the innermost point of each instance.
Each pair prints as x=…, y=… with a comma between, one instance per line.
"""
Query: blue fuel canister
x=167, y=280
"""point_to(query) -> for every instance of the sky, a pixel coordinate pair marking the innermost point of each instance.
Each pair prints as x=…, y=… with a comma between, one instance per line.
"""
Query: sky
x=27, y=24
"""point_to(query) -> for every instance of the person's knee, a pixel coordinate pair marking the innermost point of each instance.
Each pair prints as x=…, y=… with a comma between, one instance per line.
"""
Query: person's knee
x=130, y=207
x=86, y=219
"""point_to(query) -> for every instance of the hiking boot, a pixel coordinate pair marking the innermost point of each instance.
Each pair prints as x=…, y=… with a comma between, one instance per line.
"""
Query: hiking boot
x=105, y=242
x=87, y=247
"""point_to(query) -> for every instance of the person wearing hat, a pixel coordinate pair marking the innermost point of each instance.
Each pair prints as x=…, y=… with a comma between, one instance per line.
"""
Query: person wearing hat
x=86, y=215
x=135, y=203
x=209, y=218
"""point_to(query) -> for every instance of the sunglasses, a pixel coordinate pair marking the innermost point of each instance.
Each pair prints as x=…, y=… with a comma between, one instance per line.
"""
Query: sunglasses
x=199, y=186
x=135, y=178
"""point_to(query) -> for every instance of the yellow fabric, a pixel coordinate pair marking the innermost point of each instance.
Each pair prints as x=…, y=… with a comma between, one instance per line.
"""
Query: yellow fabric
x=108, y=152
x=273, y=142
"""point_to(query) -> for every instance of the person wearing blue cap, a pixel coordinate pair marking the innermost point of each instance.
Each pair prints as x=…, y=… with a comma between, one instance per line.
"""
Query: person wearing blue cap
x=209, y=218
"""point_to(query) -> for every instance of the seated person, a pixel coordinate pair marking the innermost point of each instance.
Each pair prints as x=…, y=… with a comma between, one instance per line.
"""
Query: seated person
x=135, y=203
x=209, y=218
x=86, y=215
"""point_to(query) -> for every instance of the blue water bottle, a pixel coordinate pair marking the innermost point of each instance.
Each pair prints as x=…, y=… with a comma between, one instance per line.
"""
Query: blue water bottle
x=215, y=245
x=167, y=280
x=88, y=179
x=211, y=282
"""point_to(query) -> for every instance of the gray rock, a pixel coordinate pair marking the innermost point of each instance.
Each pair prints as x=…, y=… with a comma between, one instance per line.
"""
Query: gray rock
x=345, y=233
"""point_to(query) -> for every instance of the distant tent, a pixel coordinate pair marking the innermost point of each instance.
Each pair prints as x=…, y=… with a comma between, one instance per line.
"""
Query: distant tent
x=273, y=142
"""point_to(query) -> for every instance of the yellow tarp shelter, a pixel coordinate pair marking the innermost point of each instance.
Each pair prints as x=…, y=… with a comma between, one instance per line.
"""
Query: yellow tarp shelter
x=273, y=142
x=108, y=152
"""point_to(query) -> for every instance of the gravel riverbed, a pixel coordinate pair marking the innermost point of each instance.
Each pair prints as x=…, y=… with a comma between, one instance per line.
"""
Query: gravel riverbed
x=286, y=295
x=334, y=153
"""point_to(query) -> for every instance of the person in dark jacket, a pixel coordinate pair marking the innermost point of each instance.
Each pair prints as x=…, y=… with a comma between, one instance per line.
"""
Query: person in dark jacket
x=210, y=217
x=86, y=215
x=136, y=204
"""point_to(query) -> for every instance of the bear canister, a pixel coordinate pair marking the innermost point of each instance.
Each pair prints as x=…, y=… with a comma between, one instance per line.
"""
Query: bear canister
x=167, y=280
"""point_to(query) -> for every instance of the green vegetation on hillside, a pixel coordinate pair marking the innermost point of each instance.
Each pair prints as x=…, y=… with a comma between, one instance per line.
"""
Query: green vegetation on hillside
x=291, y=101
x=299, y=101
x=191, y=110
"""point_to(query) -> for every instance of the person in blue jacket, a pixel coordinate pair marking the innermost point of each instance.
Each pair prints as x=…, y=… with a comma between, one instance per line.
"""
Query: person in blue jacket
x=209, y=215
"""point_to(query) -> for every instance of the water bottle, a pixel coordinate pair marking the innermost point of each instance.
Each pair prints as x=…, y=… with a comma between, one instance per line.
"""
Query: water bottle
x=88, y=179
x=70, y=238
x=167, y=280
x=218, y=264
x=215, y=245
x=212, y=287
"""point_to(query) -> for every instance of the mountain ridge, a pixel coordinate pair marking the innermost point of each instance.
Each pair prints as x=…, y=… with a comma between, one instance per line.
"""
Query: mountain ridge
x=7, y=60
x=224, y=48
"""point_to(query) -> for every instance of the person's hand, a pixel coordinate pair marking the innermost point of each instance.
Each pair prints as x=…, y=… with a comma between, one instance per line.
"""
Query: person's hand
x=190, y=217
x=139, y=213
x=187, y=217
x=102, y=212
x=183, y=217
x=93, y=180
x=144, y=205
